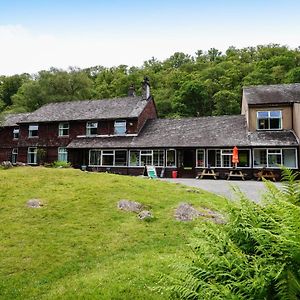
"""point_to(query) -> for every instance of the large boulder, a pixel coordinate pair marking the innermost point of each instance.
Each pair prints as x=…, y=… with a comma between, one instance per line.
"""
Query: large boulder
x=34, y=203
x=128, y=205
x=6, y=164
x=145, y=215
x=186, y=212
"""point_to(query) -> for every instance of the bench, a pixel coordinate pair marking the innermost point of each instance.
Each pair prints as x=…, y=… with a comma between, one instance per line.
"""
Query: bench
x=209, y=173
x=236, y=174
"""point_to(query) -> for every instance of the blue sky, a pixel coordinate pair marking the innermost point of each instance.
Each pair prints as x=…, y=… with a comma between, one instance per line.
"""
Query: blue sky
x=36, y=35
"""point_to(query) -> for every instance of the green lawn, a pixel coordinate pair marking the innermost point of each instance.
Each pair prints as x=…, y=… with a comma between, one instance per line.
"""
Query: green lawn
x=79, y=245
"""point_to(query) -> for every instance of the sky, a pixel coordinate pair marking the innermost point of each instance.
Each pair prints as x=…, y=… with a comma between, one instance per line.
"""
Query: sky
x=38, y=34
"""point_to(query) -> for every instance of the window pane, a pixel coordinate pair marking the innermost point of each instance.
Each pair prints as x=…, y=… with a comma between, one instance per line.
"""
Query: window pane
x=62, y=154
x=275, y=123
x=226, y=161
x=262, y=114
x=275, y=114
x=274, y=160
x=95, y=157
x=159, y=158
x=289, y=158
x=107, y=160
x=263, y=124
x=260, y=158
x=244, y=158
x=32, y=155
x=171, y=158
x=120, y=158
x=120, y=127
x=200, y=158
x=134, y=158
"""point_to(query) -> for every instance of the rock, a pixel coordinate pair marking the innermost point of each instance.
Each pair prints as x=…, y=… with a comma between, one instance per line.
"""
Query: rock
x=214, y=216
x=6, y=164
x=193, y=191
x=145, y=215
x=130, y=206
x=34, y=203
x=186, y=212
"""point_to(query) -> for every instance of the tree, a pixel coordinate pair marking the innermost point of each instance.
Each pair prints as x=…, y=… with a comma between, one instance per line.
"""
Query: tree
x=226, y=103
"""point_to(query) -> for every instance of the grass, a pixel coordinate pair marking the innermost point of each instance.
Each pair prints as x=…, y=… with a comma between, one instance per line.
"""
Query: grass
x=79, y=245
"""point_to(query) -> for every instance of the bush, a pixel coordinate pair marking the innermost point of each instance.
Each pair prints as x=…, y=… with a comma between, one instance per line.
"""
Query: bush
x=61, y=164
x=256, y=255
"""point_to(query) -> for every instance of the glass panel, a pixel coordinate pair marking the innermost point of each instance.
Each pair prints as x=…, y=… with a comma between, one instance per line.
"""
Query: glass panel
x=32, y=155
x=120, y=158
x=275, y=123
x=146, y=157
x=274, y=160
x=260, y=158
x=91, y=128
x=275, y=114
x=63, y=129
x=244, y=158
x=263, y=124
x=159, y=158
x=262, y=114
x=62, y=154
x=200, y=158
x=171, y=158
x=95, y=157
x=226, y=163
x=120, y=127
x=134, y=158
x=107, y=160
x=289, y=158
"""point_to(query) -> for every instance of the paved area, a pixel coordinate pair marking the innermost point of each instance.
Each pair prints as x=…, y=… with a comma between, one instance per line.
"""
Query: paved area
x=253, y=189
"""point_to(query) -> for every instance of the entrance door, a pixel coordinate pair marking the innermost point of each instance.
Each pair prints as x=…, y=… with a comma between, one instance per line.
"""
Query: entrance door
x=186, y=162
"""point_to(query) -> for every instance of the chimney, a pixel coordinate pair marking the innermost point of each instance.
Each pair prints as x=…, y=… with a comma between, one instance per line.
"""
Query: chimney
x=146, y=88
x=131, y=91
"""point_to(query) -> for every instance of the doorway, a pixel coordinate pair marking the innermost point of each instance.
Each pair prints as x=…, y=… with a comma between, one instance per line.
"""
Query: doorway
x=186, y=162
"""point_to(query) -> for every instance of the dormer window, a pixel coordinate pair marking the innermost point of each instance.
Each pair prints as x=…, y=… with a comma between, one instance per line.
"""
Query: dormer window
x=91, y=128
x=269, y=120
x=16, y=133
x=120, y=127
x=33, y=130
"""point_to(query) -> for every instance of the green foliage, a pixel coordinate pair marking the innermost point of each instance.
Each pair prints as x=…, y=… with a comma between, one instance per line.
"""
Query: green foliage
x=61, y=164
x=182, y=85
x=256, y=255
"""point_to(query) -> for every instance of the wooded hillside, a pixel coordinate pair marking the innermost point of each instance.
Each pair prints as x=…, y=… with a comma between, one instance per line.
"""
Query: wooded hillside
x=208, y=83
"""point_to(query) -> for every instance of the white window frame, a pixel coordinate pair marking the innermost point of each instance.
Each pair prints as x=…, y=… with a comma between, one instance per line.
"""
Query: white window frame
x=31, y=128
x=16, y=133
x=113, y=153
x=204, y=158
x=14, y=153
x=61, y=128
x=163, y=154
x=32, y=152
x=269, y=152
x=89, y=126
x=268, y=118
x=62, y=151
x=175, y=165
x=120, y=124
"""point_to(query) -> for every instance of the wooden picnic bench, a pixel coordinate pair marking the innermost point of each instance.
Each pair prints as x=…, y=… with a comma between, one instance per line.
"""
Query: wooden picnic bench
x=266, y=174
x=208, y=173
x=236, y=174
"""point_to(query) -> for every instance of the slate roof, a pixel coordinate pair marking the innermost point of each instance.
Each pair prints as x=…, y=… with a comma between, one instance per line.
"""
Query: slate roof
x=12, y=119
x=219, y=132
x=117, y=108
x=273, y=94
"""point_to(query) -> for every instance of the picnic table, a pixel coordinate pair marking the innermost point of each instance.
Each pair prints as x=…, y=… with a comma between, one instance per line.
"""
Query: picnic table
x=266, y=174
x=209, y=173
x=236, y=174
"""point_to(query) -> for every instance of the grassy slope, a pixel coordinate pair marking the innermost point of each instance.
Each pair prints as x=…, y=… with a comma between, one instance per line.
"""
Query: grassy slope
x=79, y=245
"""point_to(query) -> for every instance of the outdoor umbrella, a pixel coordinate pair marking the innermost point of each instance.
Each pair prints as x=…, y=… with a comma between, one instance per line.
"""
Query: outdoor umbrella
x=235, y=156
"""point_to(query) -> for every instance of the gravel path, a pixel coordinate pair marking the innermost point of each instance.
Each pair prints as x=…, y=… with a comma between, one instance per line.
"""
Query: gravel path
x=251, y=188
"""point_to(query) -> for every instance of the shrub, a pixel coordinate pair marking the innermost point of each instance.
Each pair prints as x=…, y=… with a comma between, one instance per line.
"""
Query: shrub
x=61, y=164
x=256, y=255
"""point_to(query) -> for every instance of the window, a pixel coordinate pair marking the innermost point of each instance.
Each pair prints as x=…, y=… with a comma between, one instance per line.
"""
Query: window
x=159, y=158
x=200, y=158
x=171, y=158
x=95, y=157
x=108, y=158
x=134, y=160
x=62, y=154
x=14, y=156
x=16, y=133
x=63, y=129
x=32, y=156
x=120, y=127
x=91, y=128
x=269, y=120
x=33, y=130
x=146, y=157
x=273, y=158
x=120, y=158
